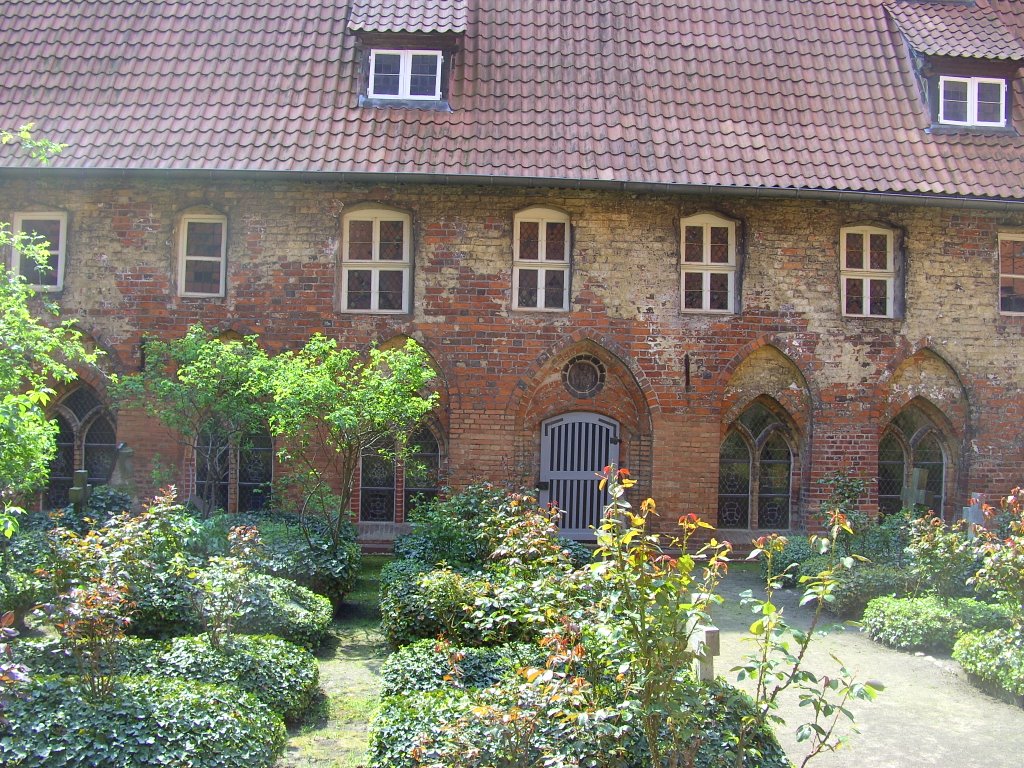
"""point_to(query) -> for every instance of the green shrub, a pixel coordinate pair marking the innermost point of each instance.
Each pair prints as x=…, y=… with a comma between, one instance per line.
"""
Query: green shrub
x=46, y=656
x=442, y=531
x=280, y=607
x=943, y=559
x=425, y=665
x=863, y=583
x=995, y=660
x=928, y=623
x=300, y=551
x=454, y=720
x=280, y=674
x=147, y=721
x=20, y=592
x=884, y=541
x=416, y=602
x=797, y=550
x=579, y=554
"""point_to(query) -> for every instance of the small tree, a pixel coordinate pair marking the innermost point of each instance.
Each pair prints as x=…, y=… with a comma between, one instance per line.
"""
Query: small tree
x=211, y=392
x=331, y=404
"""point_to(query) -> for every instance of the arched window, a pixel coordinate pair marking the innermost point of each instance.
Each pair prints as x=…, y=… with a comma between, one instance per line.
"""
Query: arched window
x=911, y=442
x=86, y=439
x=235, y=477
x=381, y=478
x=755, y=469
x=541, y=258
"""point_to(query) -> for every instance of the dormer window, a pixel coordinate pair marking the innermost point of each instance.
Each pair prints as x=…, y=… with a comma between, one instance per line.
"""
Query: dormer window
x=396, y=74
x=972, y=101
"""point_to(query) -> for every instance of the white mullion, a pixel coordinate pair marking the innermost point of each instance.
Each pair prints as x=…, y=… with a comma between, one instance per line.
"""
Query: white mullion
x=374, y=288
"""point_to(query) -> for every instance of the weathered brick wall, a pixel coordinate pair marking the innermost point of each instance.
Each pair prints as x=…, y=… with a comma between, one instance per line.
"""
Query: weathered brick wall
x=674, y=380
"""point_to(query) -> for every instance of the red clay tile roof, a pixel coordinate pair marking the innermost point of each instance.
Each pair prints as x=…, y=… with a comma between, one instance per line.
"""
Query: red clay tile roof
x=791, y=94
x=409, y=16
x=942, y=28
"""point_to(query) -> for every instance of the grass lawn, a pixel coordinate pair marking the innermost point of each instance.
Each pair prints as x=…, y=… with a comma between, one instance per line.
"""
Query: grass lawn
x=350, y=659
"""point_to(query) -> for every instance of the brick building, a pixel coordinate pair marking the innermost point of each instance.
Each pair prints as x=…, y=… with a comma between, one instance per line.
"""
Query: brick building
x=733, y=246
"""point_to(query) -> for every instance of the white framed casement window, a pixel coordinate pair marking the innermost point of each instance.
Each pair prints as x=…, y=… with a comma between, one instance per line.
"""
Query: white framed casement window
x=1011, y=273
x=867, y=271
x=972, y=101
x=397, y=74
x=50, y=227
x=202, y=255
x=376, y=261
x=541, y=257
x=708, y=264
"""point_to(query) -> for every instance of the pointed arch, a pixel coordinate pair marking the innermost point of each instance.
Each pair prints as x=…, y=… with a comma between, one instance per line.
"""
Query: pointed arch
x=86, y=439
x=768, y=372
x=925, y=375
x=920, y=438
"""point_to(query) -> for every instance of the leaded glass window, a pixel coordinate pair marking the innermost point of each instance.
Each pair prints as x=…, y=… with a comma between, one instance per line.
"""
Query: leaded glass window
x=891, y=465
x=86, y=439
x=376, y=261
x=911, y=442
x=734, y=483
x=541, y=260
x=388, y=486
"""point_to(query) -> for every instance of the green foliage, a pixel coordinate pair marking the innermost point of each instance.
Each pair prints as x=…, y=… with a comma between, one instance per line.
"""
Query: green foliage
x=427, y=665
x=210, y=392
x=306, y=555
x=278, y=673
x=145, y=721
x=845, y=490
x=417, y=602
x=787, y=563
x=441, y=533
x=276, y=606
x=942, y=557
x=330, y=404
x=859, y=585
x=510, y=725
x=995, y=660
x=1002, y=564
x=928, y=623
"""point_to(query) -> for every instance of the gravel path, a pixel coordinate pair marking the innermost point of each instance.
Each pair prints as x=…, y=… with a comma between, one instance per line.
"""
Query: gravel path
x=928, y=714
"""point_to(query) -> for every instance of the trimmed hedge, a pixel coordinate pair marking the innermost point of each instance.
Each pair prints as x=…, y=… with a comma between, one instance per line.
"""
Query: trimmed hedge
x=147, y=721
x=424, y=665
x=280, y=674
x=417, y=602
x=718, y=709
x=863, y=583
x=276, y=606
x=995, y=660
x=928, y=623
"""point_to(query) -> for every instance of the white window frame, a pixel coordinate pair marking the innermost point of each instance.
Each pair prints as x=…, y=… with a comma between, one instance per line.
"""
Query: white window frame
x=865, y=275
x=706, y=267
x=542, y=264
x=404, y=74
x=1014, y=237
x=16, y=226
x=375, y=265
x=972, y=101
x=183, y=257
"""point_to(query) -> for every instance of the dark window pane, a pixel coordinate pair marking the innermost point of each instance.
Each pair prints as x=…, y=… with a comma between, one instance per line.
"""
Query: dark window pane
x=772, y=512
x=100, y=450
x=377, y=488
x=255, y=472
x=554, y=289
x=734, y=483
x=890, y=475
x=82, y=401
x=693, y=290
x=1011, y=294
x=757, y=418
x=62, y=467
x=212, y=466
x=854, y=250
x=358, y=282
x=879, y=258
x=390, y=285
x=392, y=236
x=424, y=75
x=386, y=74
x=719, y=293
x=990, y=102
x=854, y=297
x=204, y=238
x=41, y=230
x=954, y=101
x=202, y=276
x=527, y=288
x=879, y=298
x=554, y=245
x=1011, y=257
x=35, y=274
x=719, y=245
x=529, y=239
x=360, y=240
x=693, y=245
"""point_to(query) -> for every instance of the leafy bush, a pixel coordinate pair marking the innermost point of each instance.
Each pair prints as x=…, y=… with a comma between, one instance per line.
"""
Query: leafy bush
x=293, y=549
x=133, y=656
x=280, y=607
x=884, y=541
x=20, y=592
x=416, y=602
x=146, y=721
x=995, y=660
x=942, y=557
x=278, y=673
x=427, y=665
x=796, y=551
x=863, y=583
x=928, y=623
x=443, y=723
x=579, y=554
x=443, y=531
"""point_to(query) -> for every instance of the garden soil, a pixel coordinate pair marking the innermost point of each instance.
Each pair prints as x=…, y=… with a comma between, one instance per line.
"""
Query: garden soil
x=928, y=714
